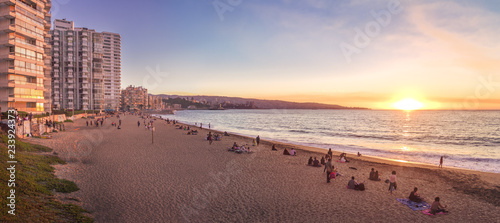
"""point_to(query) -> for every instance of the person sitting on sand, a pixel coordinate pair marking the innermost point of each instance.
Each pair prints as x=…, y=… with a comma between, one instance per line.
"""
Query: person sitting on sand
x=352, y=183
x=343, y=158
x=316, y=162
x=274, y=148
x=374, y=175
x=234, y=147
x=414, y=196
x=310, y=161
x=243, y=148
x=292, y=152
x=436, y=207
x=285, y=152
x=323, y=161
x=225, y=134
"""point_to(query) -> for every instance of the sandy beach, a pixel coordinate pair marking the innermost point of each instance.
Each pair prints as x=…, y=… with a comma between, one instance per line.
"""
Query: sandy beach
x=124, y=177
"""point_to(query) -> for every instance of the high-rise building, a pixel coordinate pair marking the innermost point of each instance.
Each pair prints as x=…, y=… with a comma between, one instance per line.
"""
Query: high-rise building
x=24, y=55
x=111, y=69
x=78, y=75
x=134, y=98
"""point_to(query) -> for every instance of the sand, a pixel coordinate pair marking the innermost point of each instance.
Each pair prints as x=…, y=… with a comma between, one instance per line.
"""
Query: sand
x=124, y=177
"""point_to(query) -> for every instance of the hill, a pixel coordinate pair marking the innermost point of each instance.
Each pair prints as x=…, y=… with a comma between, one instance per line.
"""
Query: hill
x=249, y=103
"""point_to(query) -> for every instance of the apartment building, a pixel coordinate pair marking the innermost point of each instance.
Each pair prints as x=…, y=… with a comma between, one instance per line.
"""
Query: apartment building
x=156, y=103
x=134, y=98
x=79, y=73
x=24, y=55
x=112, y=69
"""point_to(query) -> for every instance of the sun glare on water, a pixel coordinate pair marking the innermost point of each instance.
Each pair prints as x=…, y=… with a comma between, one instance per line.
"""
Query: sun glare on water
x=408, y=104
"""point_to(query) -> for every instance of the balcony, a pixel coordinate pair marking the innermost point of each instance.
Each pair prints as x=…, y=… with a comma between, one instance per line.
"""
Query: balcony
x=10, y=29
x=70, y=33
x=8, y=2
x=11, y=14
x=9, y=42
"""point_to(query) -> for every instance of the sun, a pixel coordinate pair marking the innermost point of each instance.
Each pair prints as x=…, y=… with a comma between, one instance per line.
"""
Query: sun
x=408, y=104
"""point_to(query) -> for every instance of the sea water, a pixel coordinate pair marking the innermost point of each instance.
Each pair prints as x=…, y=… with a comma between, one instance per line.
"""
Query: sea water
x=466, y=139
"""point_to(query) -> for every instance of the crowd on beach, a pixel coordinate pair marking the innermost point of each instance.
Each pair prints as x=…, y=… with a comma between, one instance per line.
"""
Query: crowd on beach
x=332, y=173
x=326, y=161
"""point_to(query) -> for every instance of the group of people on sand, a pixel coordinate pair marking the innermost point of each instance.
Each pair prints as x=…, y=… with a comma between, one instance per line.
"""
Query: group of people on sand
x=240, y=149
x=291, y=153
x=414, y=196
x=314, y=163
x=96, y=122
x=213, y=137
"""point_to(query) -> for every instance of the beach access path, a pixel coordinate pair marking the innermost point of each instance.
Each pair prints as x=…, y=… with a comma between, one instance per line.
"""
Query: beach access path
x=124, y=177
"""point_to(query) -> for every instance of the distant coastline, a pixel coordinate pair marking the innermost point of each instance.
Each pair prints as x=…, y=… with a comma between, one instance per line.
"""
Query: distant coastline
x=224, y=102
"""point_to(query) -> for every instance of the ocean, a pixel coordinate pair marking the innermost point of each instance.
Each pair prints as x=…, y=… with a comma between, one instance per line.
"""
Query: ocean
x=466, y=139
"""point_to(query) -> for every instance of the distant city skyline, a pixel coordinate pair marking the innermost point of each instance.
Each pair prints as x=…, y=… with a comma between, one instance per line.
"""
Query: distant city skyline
x=358, y=53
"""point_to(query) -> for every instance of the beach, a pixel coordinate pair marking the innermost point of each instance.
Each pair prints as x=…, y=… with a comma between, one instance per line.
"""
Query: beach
x=124, y=177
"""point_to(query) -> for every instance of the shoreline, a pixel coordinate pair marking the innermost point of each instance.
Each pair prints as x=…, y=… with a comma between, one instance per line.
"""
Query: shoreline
x=367, y=158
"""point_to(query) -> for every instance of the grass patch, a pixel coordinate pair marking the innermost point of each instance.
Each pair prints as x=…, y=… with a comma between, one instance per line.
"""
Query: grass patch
x=68, y=120
x=35, y=183
x=26, y=147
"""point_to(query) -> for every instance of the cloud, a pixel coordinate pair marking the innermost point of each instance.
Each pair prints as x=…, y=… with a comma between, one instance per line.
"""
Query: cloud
x=463, y=31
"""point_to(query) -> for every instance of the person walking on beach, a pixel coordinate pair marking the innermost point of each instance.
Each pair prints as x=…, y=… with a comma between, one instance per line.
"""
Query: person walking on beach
x=329, y=170
x=441, y=162
x=208, y=125
x=87, y=122
x=392, y=182
x=119, y=122
x=138, y=123
x=330, y=153
x=258, y=140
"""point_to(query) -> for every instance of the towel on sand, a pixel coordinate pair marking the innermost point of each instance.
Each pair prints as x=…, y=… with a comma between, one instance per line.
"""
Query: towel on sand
x=428, y=212
x=414, y=205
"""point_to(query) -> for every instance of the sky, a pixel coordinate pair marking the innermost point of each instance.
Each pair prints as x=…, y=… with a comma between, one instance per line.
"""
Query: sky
x=358, y=53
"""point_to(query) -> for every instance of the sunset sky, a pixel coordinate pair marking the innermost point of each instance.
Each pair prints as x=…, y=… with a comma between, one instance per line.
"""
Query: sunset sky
x=366, y=53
